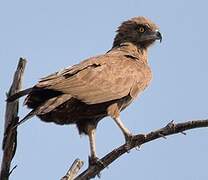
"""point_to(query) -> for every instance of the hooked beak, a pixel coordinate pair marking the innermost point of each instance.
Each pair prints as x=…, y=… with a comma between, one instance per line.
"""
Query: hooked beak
x=158, y=36
x=151, y=36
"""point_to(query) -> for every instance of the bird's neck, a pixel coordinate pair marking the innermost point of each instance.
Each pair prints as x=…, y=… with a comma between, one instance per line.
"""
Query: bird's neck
x=130, y=48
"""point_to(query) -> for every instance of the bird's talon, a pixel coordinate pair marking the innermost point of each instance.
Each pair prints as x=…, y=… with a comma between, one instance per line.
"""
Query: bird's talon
x=93, y=161
x=128, y=138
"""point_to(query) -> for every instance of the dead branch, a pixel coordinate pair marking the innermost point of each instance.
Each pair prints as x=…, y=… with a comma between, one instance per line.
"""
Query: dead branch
x=137, y=141
x=9, y=143
x=73, y=170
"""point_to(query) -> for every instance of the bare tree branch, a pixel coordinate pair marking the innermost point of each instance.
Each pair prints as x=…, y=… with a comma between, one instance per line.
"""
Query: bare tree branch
x=137, y=141
x=73, y=170
x=9, y=143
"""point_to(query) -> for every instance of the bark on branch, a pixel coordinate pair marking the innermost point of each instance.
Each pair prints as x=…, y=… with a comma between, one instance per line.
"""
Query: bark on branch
x=9, y=143
x=137, y=141
x=73, y=170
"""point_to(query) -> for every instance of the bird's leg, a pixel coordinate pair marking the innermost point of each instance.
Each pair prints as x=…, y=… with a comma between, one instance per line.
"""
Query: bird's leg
x=91, y=135
x=93, y=159
x=114, y=111
x=127, y=134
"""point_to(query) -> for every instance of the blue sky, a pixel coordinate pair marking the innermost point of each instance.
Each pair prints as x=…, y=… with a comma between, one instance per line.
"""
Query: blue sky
x=56, y=34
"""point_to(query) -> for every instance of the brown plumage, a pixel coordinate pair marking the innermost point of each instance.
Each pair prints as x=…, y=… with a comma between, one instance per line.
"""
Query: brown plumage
x=99, y=86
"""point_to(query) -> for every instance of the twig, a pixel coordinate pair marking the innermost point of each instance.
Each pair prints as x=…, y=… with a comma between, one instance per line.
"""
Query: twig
x=9, y=143
x=12, y=169
x=73, y=170
x=137, y=141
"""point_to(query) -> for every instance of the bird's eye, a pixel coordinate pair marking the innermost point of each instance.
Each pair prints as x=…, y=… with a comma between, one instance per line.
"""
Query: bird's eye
x=141, y=29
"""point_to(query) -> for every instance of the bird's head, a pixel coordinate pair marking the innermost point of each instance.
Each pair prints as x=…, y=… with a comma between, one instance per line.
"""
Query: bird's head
x=139, y=31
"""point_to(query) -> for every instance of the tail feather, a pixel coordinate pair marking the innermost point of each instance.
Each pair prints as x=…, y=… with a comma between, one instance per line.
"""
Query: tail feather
x=19, y=94
x=46, y=107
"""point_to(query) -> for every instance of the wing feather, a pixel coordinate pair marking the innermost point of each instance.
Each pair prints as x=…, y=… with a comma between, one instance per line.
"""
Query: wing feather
x=97, y=80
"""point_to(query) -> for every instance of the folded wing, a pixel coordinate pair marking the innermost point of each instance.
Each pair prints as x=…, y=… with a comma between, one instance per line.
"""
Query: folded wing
x=96, y=80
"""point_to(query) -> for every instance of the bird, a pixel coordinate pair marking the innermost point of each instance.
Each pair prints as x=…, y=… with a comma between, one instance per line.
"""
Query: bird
x=100, y=86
